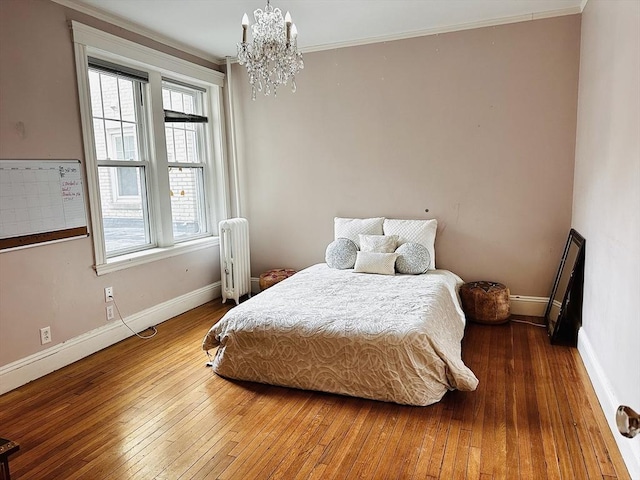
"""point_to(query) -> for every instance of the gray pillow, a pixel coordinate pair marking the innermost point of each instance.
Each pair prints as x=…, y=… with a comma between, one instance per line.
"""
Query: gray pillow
x=341, y=254
x=413, y=258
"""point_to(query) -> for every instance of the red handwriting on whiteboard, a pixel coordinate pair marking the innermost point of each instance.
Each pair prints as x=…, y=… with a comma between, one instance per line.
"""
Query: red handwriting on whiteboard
x=71, y=189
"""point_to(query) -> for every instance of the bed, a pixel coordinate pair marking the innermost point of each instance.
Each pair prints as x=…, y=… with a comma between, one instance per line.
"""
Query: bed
x=394, y=338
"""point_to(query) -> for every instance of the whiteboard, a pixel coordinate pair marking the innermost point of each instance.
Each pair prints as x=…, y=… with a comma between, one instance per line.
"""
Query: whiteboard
x=40, y=201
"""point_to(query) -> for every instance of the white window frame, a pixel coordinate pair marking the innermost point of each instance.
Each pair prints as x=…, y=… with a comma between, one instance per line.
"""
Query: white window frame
x=92, y=42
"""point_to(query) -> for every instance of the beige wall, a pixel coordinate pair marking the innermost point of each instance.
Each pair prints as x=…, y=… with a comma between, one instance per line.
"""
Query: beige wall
x=606, y=201
x=478, y=126
x=55, y=284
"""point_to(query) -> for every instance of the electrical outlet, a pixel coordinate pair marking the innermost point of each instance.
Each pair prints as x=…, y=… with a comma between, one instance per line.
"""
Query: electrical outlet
x=110, y=314
x=45, y=335
x=108, y=294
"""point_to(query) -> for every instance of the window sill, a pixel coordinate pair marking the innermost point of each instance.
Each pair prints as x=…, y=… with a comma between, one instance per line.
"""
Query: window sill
x=147, y=256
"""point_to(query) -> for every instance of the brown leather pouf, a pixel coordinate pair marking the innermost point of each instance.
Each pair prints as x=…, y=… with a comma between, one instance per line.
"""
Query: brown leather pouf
x=270, y=278
x=485, y=302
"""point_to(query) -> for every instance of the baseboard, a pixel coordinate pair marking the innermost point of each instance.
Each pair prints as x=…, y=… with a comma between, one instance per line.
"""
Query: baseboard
x=27, y=369
x=530, y=306
x=255, y=285
x=629, y=448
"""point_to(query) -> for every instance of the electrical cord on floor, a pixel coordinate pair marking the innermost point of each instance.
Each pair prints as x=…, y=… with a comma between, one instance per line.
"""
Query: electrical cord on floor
x=144, y=337
x=210, y=362
x=530, y=323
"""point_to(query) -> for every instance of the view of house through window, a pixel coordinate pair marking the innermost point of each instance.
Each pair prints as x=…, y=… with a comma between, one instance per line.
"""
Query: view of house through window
x=185, y=154
x=117, y=118
x=122, y=154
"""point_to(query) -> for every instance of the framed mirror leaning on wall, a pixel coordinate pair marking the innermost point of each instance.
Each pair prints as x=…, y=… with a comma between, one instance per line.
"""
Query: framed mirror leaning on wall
x=564, y=310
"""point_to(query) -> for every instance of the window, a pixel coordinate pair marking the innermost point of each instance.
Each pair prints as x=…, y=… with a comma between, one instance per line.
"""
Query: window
x=153, y=145
x=118, y=126
x=185, y=151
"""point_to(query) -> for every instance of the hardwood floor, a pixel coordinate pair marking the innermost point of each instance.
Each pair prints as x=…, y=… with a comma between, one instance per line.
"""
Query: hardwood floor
x=151, y=410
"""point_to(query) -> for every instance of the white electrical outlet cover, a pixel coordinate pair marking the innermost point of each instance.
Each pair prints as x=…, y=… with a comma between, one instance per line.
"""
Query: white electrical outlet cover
x=45, y=335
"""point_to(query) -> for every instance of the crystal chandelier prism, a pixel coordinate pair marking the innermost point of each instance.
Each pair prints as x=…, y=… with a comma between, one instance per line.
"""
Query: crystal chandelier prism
x=272, y=58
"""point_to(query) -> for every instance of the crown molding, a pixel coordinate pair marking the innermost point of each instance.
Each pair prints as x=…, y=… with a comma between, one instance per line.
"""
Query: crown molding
x=446, y=29
x=139, y=29
x=136, y=28
x=438, y=30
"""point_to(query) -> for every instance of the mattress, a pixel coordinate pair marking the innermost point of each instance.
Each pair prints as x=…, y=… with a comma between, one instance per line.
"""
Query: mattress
x=389, y=338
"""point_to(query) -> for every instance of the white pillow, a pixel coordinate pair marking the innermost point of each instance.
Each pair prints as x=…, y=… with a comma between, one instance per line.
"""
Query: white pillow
x=378, y=243
x=416, y=231
x=374, y=262
x=351, y=228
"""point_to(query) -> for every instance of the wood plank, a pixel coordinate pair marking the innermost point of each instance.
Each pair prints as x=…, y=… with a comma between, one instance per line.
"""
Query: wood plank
x=307, y=444
x=389, y=463
x=544, y=397
x=295, y=443
x=413, y=439
x=439, y=444
x=558, y=359
x=577, y=402
x=473, y=464
x=260, y=435
x=506, y=459
x=527, y=426
x=336, y=464
x=611, y=466
x=310, y=467
x=435, y=417
x=461, y=461
x=375, y=449
x=493, y=408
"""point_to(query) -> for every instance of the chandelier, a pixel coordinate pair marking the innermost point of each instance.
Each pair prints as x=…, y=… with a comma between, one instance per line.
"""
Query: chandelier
x=272, y=58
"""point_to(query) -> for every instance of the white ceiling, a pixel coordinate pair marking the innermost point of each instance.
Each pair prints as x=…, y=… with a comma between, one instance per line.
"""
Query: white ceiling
x=211, y=28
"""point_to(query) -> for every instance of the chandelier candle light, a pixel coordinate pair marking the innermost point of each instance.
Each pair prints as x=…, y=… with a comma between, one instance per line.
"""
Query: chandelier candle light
x=272, y=58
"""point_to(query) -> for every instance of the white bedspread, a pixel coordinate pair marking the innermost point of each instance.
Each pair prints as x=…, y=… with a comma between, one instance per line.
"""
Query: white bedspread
x=391, y=338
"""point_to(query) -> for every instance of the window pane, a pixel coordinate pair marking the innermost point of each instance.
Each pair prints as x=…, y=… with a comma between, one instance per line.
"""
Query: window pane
x=100, y=139
x=110, y=100
x=192, y=145
x=127, y=149
x=113, y=132
x=187, y=202
x=124, y=220
x=166, y=99
x=127, y=102
x=96, y=93
x=188, y=102
x=182, y=142
x=176, y=102
x=127, y=182
x=180, y=145
x=171, y=151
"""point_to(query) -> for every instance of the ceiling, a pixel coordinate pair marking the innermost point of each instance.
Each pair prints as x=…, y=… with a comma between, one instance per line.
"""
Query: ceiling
x=211, y=28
